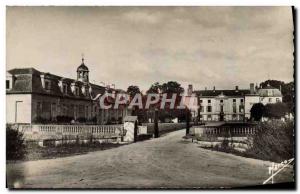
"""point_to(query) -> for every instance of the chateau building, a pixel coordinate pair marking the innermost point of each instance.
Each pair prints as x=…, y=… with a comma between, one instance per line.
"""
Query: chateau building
x=232, y=105
x=38, y=97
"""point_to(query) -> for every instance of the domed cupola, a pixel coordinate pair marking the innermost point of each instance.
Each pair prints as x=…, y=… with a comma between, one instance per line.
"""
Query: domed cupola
x=83, y=72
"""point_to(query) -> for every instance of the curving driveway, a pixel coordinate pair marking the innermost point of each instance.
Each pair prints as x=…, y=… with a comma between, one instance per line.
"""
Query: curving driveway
x=167, y=161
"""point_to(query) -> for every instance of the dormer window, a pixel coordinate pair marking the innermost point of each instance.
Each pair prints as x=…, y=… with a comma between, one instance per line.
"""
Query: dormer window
x=47, y=85
x=65, y=88
x=76, y=91
x=7, y=84
x=9, y=81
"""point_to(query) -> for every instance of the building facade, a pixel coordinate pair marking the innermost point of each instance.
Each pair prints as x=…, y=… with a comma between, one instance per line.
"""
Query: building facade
x=232, y=105
x=37, y=97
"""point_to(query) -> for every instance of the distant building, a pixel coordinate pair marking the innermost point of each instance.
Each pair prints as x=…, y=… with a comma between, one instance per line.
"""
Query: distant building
x=33, y=97
x=232, y=105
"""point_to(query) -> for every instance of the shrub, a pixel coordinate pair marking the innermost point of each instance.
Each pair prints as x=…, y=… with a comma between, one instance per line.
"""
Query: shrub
x=274, y=141
x=277, y=110
x=81, y=120
x=64, y=119
x=15, y=147
x=257, y=111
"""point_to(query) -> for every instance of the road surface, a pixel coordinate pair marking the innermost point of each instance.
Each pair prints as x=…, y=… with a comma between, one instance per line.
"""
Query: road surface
x=168, y=161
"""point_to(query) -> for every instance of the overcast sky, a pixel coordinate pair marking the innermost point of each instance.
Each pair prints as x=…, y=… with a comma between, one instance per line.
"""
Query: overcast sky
x=203, y=46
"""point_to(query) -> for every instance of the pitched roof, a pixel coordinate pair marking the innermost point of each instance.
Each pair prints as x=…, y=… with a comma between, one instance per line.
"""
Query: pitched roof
x=269, y=92
x=213, y=93
x=24, y=71
x=28, y=80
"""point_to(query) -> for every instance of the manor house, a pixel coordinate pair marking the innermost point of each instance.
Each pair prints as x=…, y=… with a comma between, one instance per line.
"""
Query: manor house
x=38, y=97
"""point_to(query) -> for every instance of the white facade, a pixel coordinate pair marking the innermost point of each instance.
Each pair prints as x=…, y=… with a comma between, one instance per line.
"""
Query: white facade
x=18, y=108
x=233, y=105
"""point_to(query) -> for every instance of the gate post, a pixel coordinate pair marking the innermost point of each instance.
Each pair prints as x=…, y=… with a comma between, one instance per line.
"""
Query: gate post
x=187, y=122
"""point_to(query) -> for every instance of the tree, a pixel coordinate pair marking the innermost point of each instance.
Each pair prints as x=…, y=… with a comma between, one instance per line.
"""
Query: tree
x=133, y=90
x=275, y=111
x=154, y=88
x=288, y=96
x=257, y=111
x=15, y=146
x=273, y=83
x=172, y=87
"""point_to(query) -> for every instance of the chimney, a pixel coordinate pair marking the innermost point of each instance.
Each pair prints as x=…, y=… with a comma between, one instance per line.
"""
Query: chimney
x=214, y=89
x=280, y=88
x=190, y=90
x=251, y=88
x=236, y=88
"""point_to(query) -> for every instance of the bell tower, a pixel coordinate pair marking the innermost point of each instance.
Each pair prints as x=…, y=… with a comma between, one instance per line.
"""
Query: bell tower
x=83, y=72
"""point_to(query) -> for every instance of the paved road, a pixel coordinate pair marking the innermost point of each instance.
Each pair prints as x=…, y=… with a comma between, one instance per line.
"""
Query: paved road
x=168, y=161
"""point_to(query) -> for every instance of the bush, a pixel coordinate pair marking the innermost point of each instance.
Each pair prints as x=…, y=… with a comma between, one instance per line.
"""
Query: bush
x=277, y=110
x=64, y=119
x=15, y=147
x=274, y=141
x=40, y=120
x=81, y=120
x=257, y=111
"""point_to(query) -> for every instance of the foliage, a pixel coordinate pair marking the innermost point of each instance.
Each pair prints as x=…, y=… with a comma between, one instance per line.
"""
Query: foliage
x=81, y=120
x=133, y=90
x=276, y=110
x=154, y=88
x=64, y=119
x=172, y=87
x=15, y=147
x=257, y=111
x=40, y=120
x=274, y=141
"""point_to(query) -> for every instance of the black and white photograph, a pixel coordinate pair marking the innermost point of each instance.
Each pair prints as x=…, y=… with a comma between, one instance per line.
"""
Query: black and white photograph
x=150, y=97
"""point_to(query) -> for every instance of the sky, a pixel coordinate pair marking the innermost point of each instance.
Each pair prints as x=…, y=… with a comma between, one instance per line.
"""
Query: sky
x=204, y=46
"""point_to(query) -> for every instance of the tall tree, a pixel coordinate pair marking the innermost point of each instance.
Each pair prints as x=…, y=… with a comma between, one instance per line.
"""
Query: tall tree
x=154, y=88
x=133, y=90
x=172, y=87
x=257, y=111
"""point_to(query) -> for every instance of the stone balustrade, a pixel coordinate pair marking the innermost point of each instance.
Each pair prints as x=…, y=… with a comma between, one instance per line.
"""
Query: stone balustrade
x=41, y=132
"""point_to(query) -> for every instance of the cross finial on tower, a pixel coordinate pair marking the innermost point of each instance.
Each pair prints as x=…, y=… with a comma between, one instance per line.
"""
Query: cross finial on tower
x=82, y=57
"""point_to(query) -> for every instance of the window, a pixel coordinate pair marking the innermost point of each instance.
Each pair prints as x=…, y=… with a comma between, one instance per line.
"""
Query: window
x=234, y=100
x=221, y=101
x=47, y=85
x=208, y=108
x=241, y=108
x=39, y=109
x=201, y=109
x=209, y=117
x=209, y=101
x=77, y=91
x=277, y=100
x=221, y=108
x=65, y=89
x=234, y=117
x=201, y=101
x=7, y=84
x=234, y=108
x=270, y=99
x=242, y=100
